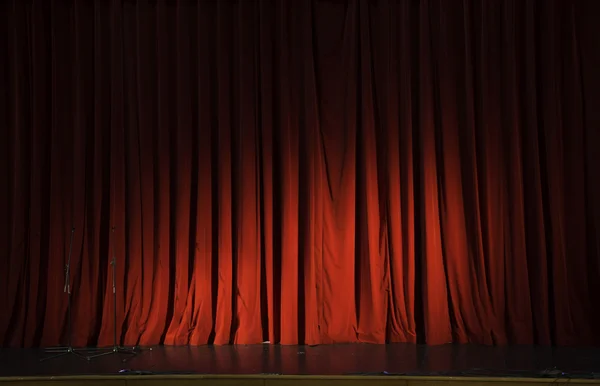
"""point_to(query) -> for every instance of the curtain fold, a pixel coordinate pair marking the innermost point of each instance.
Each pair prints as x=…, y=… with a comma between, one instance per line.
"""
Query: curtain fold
x=300, y=172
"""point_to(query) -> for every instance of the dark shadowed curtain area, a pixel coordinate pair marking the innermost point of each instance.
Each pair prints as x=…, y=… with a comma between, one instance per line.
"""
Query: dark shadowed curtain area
x=300, y=171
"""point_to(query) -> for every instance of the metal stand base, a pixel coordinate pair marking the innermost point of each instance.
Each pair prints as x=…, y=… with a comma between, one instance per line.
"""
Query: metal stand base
x=115, y=351
x=58, y=352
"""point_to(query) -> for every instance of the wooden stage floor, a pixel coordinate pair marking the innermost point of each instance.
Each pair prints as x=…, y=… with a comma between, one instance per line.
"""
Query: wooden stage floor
x=352, y=364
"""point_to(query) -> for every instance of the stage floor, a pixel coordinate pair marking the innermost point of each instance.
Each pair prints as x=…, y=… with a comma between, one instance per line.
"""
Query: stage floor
x=338, y=360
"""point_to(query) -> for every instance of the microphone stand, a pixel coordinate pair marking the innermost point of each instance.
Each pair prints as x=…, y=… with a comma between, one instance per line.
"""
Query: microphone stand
x=68, y=350
x=116, y=349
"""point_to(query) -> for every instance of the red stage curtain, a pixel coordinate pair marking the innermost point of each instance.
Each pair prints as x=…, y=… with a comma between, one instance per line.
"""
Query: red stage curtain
x=301, y=171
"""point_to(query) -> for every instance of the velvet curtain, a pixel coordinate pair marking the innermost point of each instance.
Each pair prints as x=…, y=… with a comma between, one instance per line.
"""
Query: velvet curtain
x=300, y=171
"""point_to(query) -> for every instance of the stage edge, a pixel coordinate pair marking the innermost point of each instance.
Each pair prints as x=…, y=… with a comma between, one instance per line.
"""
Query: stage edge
x=282, y=380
